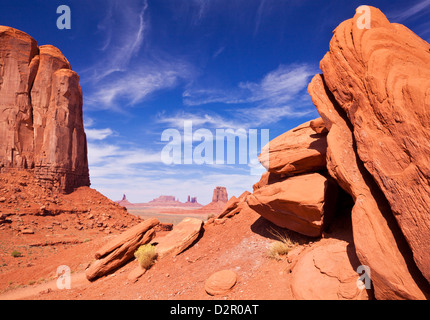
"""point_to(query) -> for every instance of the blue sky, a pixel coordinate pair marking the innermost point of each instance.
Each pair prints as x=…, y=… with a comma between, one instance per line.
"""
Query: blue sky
x=149, y=65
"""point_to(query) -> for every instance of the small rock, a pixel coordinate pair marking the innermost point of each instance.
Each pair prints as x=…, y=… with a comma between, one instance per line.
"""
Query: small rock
x=45, y=291
x=27, y=231
x=219, y=221
x=220, y=282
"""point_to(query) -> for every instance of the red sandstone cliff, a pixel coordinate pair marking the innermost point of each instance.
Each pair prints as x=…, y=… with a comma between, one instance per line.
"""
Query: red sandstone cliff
x=41, y=125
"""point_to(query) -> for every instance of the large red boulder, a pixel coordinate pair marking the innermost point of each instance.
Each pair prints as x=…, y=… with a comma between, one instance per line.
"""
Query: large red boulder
x=380, y=78
x=327, y=271
x=299, y=150
x=304, y=203
x=378, y=241
x=121, y=249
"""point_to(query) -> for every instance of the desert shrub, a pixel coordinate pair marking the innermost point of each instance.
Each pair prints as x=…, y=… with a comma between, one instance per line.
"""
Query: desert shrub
x=16, y=254
x=146, y=255
x=281, y=246
x=210, y=216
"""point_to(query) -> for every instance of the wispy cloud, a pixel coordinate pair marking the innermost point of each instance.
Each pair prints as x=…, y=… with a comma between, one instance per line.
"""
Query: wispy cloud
x=198, y=120
x=136, y=85
x=277, y=87
x=418, y=9
x=129, y=69
x=109, y=159
x=280, y=93
x=218, y=52
x=124, y=27
x=259, y=15
x=202, y=8
x=98, y=134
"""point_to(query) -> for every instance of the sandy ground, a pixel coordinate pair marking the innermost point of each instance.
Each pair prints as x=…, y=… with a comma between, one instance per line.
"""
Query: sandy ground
x=239, y=244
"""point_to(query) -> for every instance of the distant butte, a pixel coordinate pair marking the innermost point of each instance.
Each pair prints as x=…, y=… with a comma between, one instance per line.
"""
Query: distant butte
x=162, y=201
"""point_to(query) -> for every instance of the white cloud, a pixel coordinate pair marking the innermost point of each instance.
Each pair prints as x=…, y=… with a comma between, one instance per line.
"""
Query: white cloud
x=137, y=85
x=277, y=87
x=279, y=94
x=213, y=121
x=417, y=9
x=108, y=159
x=98, y=134
x=124, y=27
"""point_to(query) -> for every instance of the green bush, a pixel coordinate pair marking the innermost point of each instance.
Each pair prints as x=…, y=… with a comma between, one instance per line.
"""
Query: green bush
x=146, y=255
x=16, y=254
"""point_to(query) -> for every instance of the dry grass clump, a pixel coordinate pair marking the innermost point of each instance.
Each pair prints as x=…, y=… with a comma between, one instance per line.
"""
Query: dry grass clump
x=280, y=247
x=146, y=255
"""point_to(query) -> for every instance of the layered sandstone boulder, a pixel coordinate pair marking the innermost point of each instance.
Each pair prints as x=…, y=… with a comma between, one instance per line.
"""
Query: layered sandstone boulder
x=221, y=282
x=380, y=78
x=41, y=125
x=180, y=238
x=378, y=241
x=304, y=203
x=299, y=150
x=121, y=249
x=327, y=271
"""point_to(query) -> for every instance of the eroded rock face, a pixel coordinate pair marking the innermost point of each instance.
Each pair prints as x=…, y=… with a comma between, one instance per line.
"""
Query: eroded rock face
x=380, y=77
x=377, y=239
x=304, y=203
x=299, y=150
x=41, y=113
x=327, y=271
x=19, y=62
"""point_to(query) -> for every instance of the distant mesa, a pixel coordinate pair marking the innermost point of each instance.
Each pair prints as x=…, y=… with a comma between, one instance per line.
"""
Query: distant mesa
x=162, y=201
x=165, y=199
x=219, y=199
x=220, y=195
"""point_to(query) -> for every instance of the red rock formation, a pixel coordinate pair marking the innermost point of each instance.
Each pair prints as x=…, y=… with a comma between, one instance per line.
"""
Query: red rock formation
x=164, y=199
x=180, y=238
x=327, y=271
x=220, y=282
x=41, y=124
x=299, y=150
x=380, y=78
x=124, y=202
x=377, y=239
x=304, y=203
x=121, y=249
x=220, y=194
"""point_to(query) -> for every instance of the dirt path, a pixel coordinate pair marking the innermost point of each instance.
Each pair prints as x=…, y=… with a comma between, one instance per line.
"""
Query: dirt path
x=77, y=281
